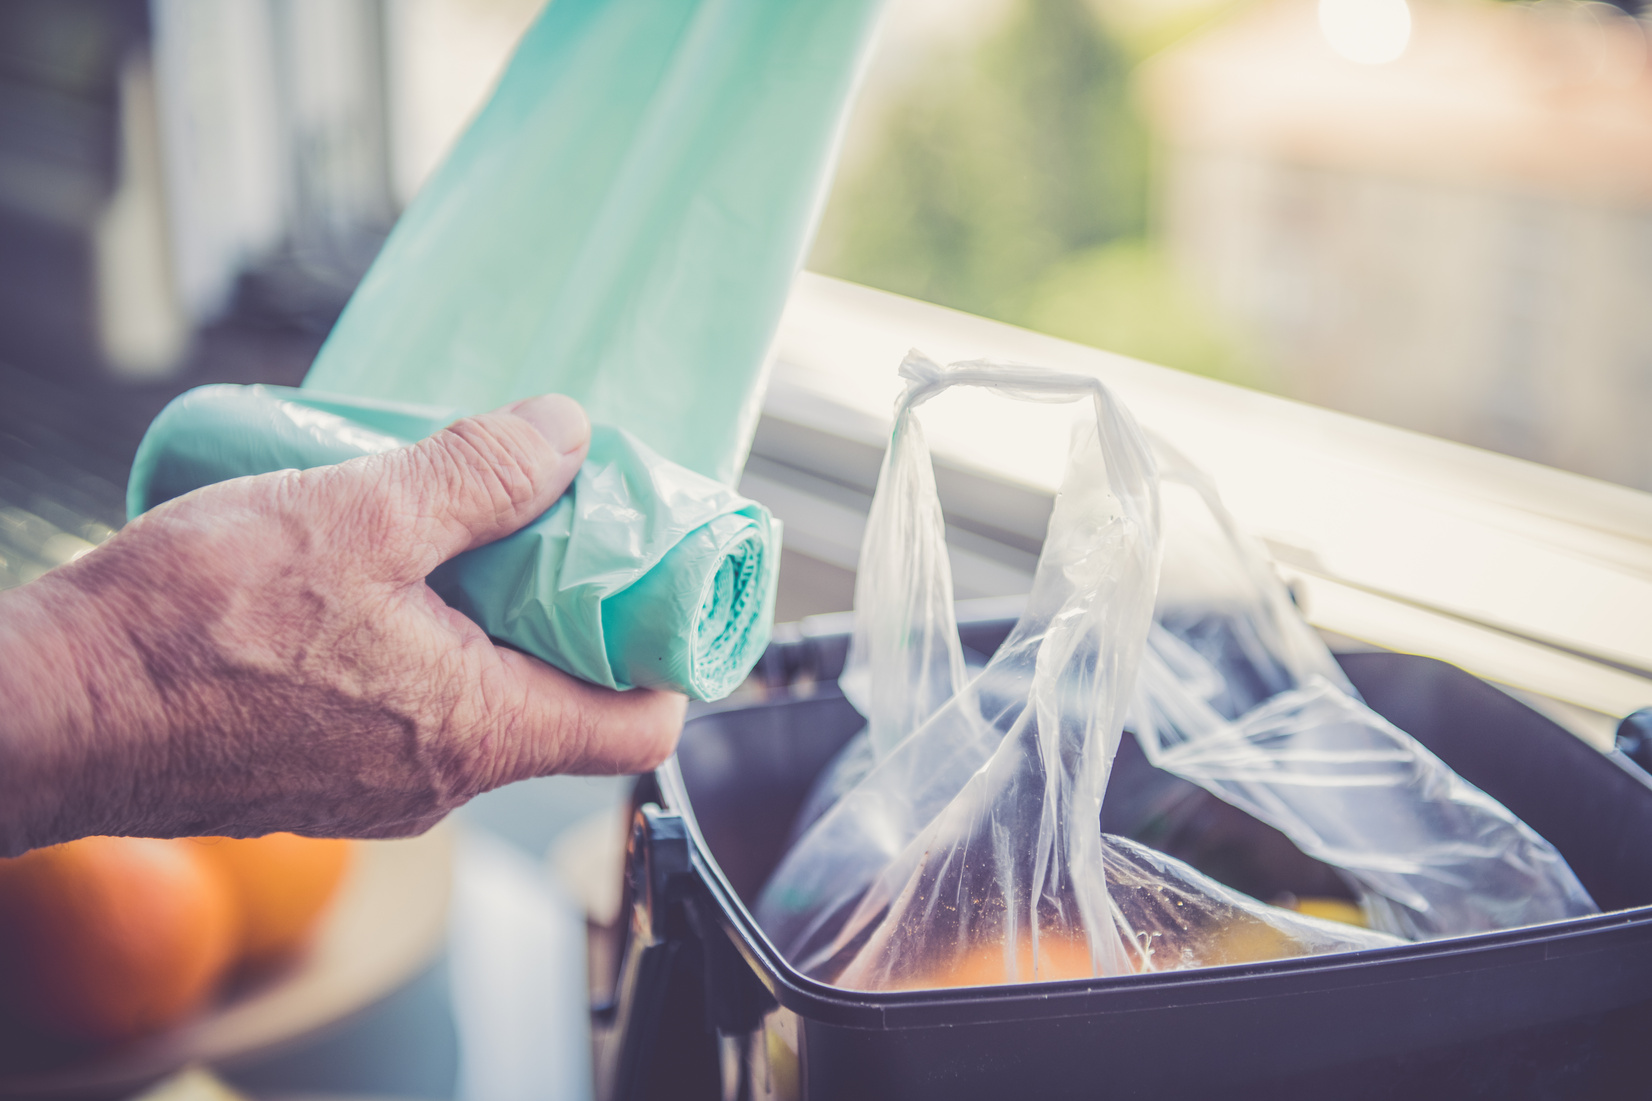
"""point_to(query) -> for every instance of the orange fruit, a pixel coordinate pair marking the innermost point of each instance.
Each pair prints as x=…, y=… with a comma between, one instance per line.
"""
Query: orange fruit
x=107, y=938
x=283, y=883
x=1059, y=957
x=1333, y=909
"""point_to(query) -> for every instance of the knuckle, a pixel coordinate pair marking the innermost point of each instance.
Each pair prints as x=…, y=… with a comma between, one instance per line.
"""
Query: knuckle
x=491, y=457
x=637, y=737
x=580, y=733
x=482, y=734
x=356, y=505
x=494, y=747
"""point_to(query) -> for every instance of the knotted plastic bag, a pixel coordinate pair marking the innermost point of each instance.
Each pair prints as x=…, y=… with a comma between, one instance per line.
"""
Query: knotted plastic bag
x=644, y=573
x=971, y=851
x=1241, y=697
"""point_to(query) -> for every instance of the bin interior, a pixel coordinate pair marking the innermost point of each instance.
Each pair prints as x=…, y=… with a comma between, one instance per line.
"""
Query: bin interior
x=747, y=772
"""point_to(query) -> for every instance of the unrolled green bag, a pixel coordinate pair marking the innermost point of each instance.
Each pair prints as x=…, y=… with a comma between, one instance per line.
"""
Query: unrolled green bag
x=621, y=223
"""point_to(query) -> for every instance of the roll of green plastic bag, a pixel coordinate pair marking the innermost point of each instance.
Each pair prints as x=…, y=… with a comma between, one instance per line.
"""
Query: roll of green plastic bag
x=645, y=573
x=621, y=223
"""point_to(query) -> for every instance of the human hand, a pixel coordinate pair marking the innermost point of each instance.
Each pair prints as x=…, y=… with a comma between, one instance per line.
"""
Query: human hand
x=264, y=654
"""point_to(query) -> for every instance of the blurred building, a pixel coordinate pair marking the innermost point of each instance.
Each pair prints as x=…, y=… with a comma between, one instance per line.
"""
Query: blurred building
x=1457, y=240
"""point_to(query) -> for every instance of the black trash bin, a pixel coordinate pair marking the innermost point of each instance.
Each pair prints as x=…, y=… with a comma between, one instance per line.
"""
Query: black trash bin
x=698, y=1004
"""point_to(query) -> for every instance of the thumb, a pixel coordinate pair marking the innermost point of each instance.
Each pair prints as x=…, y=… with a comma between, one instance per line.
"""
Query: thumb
x=483, y=477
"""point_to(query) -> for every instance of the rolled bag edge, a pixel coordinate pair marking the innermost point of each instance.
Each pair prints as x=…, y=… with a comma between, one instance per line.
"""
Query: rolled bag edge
x=642, y=621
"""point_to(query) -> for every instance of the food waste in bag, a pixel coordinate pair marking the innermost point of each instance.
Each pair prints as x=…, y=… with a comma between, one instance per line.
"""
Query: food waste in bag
x=945, y=845
x=644, y=573
x=970, y=849
x=1241, y=697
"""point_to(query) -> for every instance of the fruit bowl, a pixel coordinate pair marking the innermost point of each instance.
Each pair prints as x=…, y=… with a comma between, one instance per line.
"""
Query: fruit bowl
x=386, y=922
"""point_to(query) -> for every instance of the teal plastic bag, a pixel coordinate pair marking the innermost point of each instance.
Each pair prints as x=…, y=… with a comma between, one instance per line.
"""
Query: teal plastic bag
x=621, y=223
x=645, y=573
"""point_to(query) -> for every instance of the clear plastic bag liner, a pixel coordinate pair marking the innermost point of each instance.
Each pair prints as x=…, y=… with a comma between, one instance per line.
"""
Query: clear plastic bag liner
x=621, y=223
x=644, y=573
x=971, y=848
x=1240, y=696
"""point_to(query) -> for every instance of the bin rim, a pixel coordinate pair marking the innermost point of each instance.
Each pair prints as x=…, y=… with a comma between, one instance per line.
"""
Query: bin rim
x=1296, y=976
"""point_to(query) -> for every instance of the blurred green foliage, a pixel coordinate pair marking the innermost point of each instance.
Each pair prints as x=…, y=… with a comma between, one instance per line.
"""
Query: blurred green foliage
x=1013, y=183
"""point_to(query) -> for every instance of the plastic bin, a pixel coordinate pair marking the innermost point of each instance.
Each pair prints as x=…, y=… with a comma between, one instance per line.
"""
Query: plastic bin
x=696, y=1003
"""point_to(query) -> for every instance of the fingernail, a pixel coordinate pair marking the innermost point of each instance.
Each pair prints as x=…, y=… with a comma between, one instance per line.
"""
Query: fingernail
x=559, y=419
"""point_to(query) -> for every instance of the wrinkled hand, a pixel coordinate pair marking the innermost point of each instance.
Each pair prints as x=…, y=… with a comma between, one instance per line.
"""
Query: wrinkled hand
x=264, y=654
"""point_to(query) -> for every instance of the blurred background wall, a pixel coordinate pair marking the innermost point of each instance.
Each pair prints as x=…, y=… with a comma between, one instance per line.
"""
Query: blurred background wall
x=189, y=192
x=1436, y=213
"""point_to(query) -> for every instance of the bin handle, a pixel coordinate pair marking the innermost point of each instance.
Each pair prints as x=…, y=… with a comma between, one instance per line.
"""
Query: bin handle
x=658, y=871
x=1634, y=738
